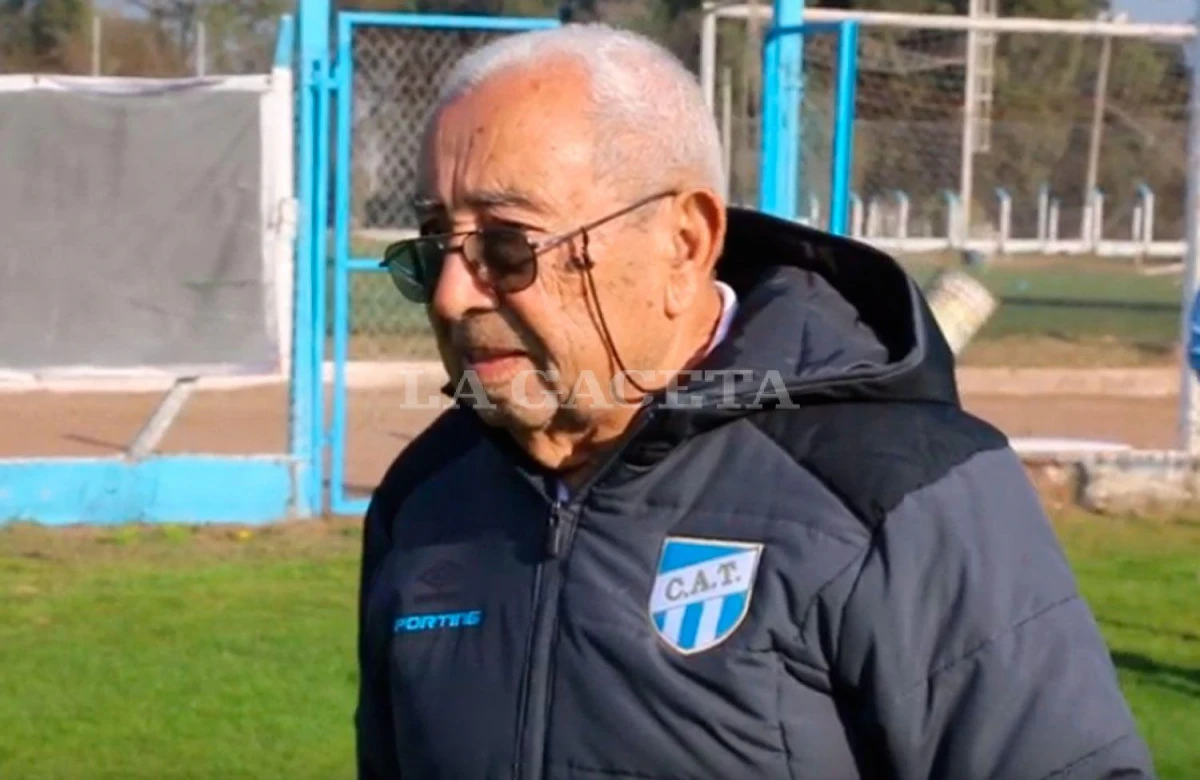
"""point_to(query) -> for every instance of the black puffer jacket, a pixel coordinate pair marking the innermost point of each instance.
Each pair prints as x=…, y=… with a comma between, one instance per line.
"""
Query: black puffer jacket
x=857, y=582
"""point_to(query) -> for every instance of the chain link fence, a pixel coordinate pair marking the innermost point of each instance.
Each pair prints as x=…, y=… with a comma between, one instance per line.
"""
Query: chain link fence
x=1054, y=119
x=397, y=74
x=1040, y=125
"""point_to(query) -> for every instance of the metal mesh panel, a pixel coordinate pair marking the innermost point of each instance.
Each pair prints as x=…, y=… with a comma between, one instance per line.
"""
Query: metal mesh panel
x=907, y=130
x=738, y=104
x=397, y=75
x=1032, y=129
x=1034, y=115
x=817, y=128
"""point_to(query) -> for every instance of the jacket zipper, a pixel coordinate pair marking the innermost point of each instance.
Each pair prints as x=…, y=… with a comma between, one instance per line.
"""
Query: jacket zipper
x=535, y=695
x=527, y=677
x=555, y=530
x=535, y=706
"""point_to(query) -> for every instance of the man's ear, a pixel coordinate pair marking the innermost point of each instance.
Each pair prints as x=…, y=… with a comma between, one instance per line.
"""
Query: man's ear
x=699, y=237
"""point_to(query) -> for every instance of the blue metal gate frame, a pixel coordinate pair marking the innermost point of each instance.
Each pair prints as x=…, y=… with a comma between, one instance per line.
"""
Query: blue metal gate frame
x=323, y=81
x=343, y=264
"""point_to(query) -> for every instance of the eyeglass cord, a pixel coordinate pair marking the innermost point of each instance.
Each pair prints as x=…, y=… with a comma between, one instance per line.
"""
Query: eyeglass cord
x=604, y=331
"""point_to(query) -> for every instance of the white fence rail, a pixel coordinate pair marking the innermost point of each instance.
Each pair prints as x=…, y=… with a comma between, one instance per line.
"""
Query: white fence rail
x=889, y=222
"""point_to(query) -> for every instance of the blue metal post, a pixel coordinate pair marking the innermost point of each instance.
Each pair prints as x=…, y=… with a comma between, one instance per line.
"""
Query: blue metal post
x=313, y=62
x=783, y=93
x=321, y=162
x=285, y=42
x=343, y=134
x=843, y=127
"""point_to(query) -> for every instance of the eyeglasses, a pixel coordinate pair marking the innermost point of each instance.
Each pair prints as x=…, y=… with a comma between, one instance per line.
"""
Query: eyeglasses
x=503, y=259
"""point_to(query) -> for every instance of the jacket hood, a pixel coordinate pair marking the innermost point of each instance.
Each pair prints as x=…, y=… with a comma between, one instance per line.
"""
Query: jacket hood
x=820, y=318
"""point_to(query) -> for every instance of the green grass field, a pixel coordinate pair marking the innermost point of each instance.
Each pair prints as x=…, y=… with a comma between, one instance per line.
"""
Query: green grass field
x=1055, y=311
x=1073, y=311
x=212, y=653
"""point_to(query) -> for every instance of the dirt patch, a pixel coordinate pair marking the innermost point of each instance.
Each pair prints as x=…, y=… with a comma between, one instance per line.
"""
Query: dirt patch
x=235, y=422
x=1028, y=383
x=1149, y=423
x=379, y=422
x=232, y=422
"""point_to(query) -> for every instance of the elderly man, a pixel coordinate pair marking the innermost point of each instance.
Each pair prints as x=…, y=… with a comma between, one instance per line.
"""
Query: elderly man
x=707, y=506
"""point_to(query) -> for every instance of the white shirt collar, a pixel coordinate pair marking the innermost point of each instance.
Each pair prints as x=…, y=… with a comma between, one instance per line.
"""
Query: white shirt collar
x=729, y=306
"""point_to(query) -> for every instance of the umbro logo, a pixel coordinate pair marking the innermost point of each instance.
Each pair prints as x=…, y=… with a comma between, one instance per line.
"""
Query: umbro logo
x=441, y=575
x=440, y=581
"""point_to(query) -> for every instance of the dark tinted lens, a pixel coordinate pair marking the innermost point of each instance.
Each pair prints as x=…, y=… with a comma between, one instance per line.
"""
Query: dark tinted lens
x=504, y=258
x=414, y=267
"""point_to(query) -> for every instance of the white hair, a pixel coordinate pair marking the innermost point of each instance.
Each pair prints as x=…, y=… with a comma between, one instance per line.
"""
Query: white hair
x=651, y=121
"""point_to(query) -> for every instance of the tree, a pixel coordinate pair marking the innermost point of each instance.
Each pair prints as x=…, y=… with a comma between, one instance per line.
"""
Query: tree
x=41, y=34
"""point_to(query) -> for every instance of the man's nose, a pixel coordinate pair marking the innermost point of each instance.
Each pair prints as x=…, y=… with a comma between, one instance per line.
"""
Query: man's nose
x=459, y=291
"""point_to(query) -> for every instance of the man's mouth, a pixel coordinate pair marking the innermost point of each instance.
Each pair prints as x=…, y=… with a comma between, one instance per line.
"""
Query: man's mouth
x=494, y=365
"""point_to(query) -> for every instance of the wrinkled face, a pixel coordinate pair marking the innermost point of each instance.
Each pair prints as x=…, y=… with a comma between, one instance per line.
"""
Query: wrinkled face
x=516, y=152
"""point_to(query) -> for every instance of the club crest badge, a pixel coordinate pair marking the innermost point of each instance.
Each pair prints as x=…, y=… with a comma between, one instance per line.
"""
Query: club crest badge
x=702, y=591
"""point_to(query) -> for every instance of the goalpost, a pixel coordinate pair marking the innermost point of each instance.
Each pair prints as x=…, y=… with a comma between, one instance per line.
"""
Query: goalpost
x=997, y=136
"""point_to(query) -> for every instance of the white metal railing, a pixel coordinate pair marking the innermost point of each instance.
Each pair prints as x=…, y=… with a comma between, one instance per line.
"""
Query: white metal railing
x=884, y=221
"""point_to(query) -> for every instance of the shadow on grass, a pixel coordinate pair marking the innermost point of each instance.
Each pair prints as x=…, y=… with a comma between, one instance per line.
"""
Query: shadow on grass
x=1183, y=636
x=1180, y=679
x=1092, y=304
